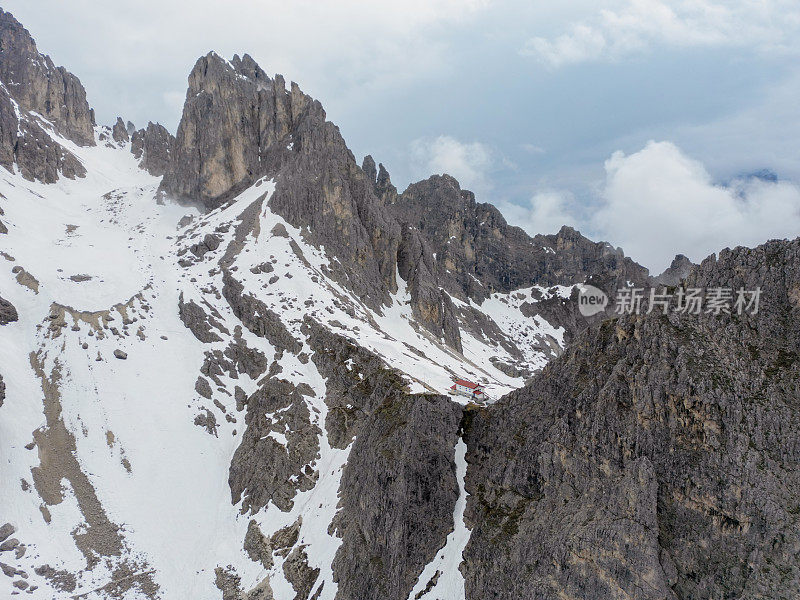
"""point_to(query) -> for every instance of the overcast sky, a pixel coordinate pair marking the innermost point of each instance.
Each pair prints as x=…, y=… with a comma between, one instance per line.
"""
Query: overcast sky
x=636, y=121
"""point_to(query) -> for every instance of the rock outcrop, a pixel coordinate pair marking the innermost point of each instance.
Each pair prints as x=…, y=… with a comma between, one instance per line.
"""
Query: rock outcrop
x=239, y=125
x=152, y=146
x=478, y=252
x=8, y=314
x=678, y=271
x=273, y=462
x=656, y=458
x=119, y=132
x=34, y=94
x=398, y=494
x=38, y=85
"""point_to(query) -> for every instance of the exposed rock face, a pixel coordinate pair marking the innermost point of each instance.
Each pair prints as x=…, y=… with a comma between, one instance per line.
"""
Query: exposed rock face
x=478, y=252
x=120, y=132
x=678, y=271
x=153, y=147
x=657, y=458
x=24, y=143
x=431, y=305
x=198, y=321
x=38, y=85
x=264, y=468
x=2, y=390
x=257, y=317
x=358, y=382
x=239, y=125
x=398, y=493
x=29, y=82
x=8, y=314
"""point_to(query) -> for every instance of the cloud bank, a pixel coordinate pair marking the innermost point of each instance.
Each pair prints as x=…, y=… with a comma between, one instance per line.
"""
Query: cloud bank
x=657, y=202
x=636, y=25
x=469, y=162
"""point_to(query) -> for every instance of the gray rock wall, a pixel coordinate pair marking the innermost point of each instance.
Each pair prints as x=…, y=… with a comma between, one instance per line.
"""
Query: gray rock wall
x=657, y=458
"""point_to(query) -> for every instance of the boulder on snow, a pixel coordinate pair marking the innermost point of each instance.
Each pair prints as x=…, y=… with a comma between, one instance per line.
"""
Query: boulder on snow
x=120, y=354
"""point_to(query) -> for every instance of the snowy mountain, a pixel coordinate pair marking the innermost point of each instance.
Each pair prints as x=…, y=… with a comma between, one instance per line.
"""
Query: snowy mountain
x=225, y=355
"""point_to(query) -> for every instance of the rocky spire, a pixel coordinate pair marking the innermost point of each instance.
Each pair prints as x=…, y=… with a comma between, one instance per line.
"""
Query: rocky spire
x=153, y=147
x=239, y=125
x=119, y=132
x=38, y=85
x=30, y=83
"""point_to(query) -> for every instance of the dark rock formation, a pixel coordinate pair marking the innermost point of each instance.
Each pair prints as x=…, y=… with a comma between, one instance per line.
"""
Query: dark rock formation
x=198, y=321
x=256, y=316
x=263, y=469
x=2, y=393
x=29, y=82
x=153, y=147
x=657, y=458
x=678, y=271
x=398, y=493
x=239, y=125
x=24, y=143
x=357, y=382
x=478, y=252
x=119, y=132
x=431, y=305
x=8, y=314
x=38, y=85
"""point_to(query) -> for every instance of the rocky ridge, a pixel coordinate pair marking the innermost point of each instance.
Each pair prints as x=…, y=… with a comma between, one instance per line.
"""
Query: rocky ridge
x=34, y=96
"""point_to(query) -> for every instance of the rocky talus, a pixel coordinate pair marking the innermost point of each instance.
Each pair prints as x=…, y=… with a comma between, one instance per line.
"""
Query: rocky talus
x=657, y=458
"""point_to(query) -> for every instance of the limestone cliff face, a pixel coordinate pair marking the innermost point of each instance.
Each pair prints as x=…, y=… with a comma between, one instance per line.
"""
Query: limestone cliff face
x=38, y=85
x=239, y=125
x=657, y=458
x=26, y=145
x=153, y=147
x=478, y=252
x=32, y=89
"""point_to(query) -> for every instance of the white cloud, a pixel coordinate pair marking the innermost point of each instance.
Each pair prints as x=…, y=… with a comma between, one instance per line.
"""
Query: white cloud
x=345, y=48
x=547, y=212
x=658, y=202
x=612, y=33
x=469, y=162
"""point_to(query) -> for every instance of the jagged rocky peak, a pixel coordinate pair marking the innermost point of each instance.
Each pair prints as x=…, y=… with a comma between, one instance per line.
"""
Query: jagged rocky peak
x=153, y=146
x=119, y=132
x=380, y=179
x=38, y=85
x=33, y=90
x=678, y=270
x=478, y=252
x=238, y=124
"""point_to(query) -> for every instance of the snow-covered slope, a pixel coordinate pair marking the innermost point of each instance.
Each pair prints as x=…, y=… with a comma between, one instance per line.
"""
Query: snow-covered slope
x=120, y=424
